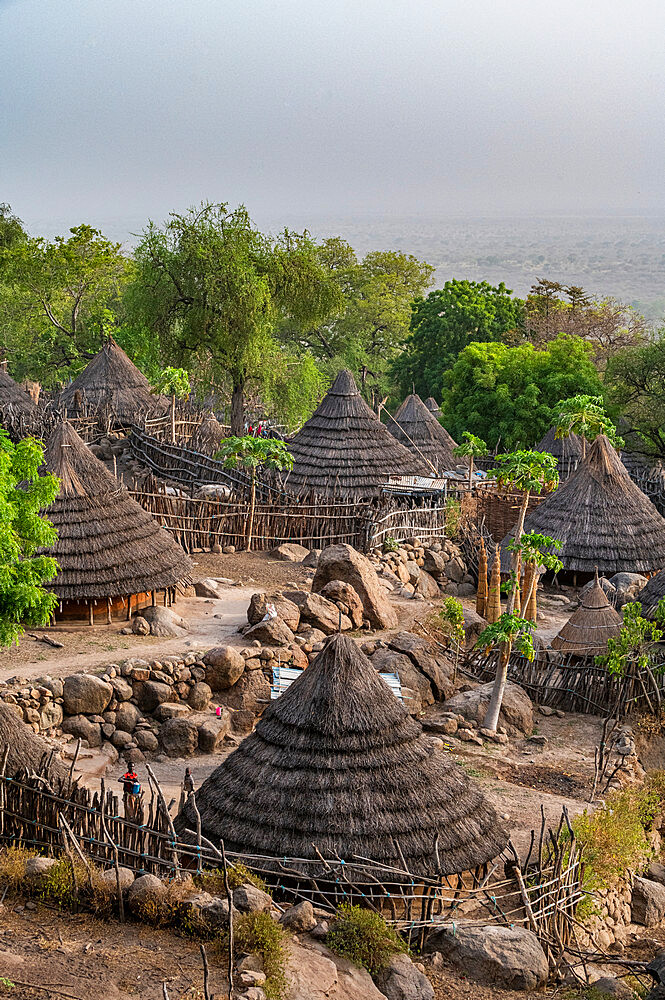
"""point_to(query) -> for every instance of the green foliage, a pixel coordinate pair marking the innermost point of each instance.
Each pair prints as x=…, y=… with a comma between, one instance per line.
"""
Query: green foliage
x=471, y=446
x=536, y=548
x=212, y=880
x=249, y=452
x=259, y=934
x=12, y=230
x=364, y=938
x=530, y=471
x=511, y=394
x=446, y=322
x=510, y=630
x=635, y=641
x=390, y=544
x=453, y=516
x=60, y=300
x=172, y=382
x=23, y=494
x=451, y=619
x=635, y=391
x=585, y=415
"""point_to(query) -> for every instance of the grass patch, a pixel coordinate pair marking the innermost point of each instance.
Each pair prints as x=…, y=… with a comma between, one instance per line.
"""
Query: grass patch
x=259, y=934
x=212, y=880
x=364, y=938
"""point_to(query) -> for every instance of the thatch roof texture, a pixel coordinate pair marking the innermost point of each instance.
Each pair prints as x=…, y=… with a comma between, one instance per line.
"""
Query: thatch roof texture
x=433, y=406
x=112, y=382
x=587, y=630
x=337, y=762
x=567, y=451
x=208, y=436
x=601, y=518
x=108, y=545
x=651, y=594
x=18, y=413
x=345, y=449
x=27, y=749
x=417, y=429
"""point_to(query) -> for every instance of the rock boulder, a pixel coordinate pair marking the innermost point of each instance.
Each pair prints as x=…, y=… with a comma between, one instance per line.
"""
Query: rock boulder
x=401, y=980
x=224, y=666
x=516, y=709
x=85, y=694
x=286, y=610
x=273, y=632
x=647, y=905
x=164, y=622
x=344, y=594
x=290, y=552
x=343, y=562
x=83, y=729
x=318, y=611
x=179, y=737
x=500, y=956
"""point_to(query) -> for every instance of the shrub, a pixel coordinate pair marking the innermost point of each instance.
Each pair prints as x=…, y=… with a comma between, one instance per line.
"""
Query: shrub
x=390, y=544
x=364, y=938
x=212, y=880
x=259, y=934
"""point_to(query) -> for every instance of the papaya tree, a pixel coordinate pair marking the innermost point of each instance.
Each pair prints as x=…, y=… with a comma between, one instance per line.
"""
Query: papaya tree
x=585, y=416
x=173, y=382
x=471, y=447
x=251, y=453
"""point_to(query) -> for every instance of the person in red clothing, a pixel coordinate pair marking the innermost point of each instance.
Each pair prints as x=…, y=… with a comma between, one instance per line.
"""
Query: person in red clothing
x=130, y=783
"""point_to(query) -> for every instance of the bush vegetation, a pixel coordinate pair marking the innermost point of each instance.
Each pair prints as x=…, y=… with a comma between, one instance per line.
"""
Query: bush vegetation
x=259, y=934
x=364, y=938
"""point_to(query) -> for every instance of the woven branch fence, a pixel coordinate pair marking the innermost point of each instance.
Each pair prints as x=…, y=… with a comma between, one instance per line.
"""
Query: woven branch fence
x=577, y=685
x=541, y=891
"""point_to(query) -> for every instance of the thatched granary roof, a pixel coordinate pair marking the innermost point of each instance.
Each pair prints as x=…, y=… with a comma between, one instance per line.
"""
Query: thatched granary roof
x=567, y=451
x=26, y=748
x=113, y=382
x=108, y=545
x=208, y=436
x=433, y=406
x=587, y=630
x=337, y=762
x=417, y=429
x=601, y=517
x=344, y=448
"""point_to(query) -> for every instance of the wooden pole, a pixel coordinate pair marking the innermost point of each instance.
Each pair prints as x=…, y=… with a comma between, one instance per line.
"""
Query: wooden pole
x=481, y=593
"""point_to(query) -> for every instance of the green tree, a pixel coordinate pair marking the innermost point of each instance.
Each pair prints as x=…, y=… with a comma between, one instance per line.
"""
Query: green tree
x=447, y=321
x=635, y=393
x=173, y=382
x=528, y=472
x=12, y=230
x=636, y=640
x=213, y=287
x=23, y=494
x=511, y=394
x=250, y=453
x=584, y=415
x=62, y=299
x=472, y=447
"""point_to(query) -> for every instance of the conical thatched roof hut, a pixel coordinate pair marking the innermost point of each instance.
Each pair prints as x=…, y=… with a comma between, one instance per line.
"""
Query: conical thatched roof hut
x=601, y=518
x=650, y=595
x=109, y=548
x=111, y=381
x=417, y=429
x=433, y=406
x=18, y=413
x=337, y=762
x=27, y=749
x=344, y=448
x=587, y=630
x=208, y=436
x=567, y=451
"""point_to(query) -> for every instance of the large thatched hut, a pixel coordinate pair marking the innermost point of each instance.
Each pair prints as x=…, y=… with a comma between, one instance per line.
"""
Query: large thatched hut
x=114, y=558
x=345, y=449
x=337, y=764
x=589, y=627
x=414, y=426
x=27, y=750
x=567, y=451
x=208, y=436
x=112, y=383
x=18, y=413
x=601, y=518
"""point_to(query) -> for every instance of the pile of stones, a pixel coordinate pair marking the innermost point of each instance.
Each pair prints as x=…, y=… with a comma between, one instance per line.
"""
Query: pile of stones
x=423, y=569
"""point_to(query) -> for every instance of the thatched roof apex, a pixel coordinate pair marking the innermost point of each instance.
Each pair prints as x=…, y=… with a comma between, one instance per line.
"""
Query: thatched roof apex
x=337, y=762
x=344, y=448
x=414, y=426
x=589, y=627
x=108, y=545
x=433, y=406
x=111, y=380
x=601, y=518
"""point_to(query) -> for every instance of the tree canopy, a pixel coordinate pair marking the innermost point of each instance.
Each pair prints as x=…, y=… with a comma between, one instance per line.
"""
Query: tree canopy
x=635, y=393
x=510, y=394
x=446, y=322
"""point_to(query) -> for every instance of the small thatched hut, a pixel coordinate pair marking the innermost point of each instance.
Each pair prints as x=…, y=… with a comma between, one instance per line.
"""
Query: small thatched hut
x=567, y=451
x=601, y=518
x=345, y=449
x=27, y=750
x=587, y=630
x=336, y=763
x=112, y=383
x=208, y=436
x=113, y=556
x=18, y=413
x=433, y=406
x=417, y=429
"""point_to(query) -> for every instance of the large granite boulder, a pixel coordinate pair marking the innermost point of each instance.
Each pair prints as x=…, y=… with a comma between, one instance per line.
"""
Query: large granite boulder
x=647, y=904
x=511, y=957
x=319, y=612
x=272, y=632
x=343, y=562
x=83, y=729
x=286, y=610
x=224, y=667
x=85, y=694
x=344, y=595
x=416, y=689
x=179, y=737
x=516, y=708
x=290, y=552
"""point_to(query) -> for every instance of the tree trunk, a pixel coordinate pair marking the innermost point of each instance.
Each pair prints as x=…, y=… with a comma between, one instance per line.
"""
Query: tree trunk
x=583, y=447
x=238, y=405
x=252, y=503
x=173, y=418
x=491, y=719
x=470, y=471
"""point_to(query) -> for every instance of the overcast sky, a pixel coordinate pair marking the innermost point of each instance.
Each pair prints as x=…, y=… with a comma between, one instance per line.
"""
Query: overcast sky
x=124, y=109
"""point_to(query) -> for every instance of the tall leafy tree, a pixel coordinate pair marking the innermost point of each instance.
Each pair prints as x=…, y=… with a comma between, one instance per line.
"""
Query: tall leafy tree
x=62, y=298
x=23, y=530
x=635, y=392
x=12, y=230
x=447, y=321
x=213, y=287
x=511, y=394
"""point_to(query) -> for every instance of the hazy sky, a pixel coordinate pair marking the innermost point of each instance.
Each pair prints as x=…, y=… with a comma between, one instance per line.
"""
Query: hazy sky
x=123, y=109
